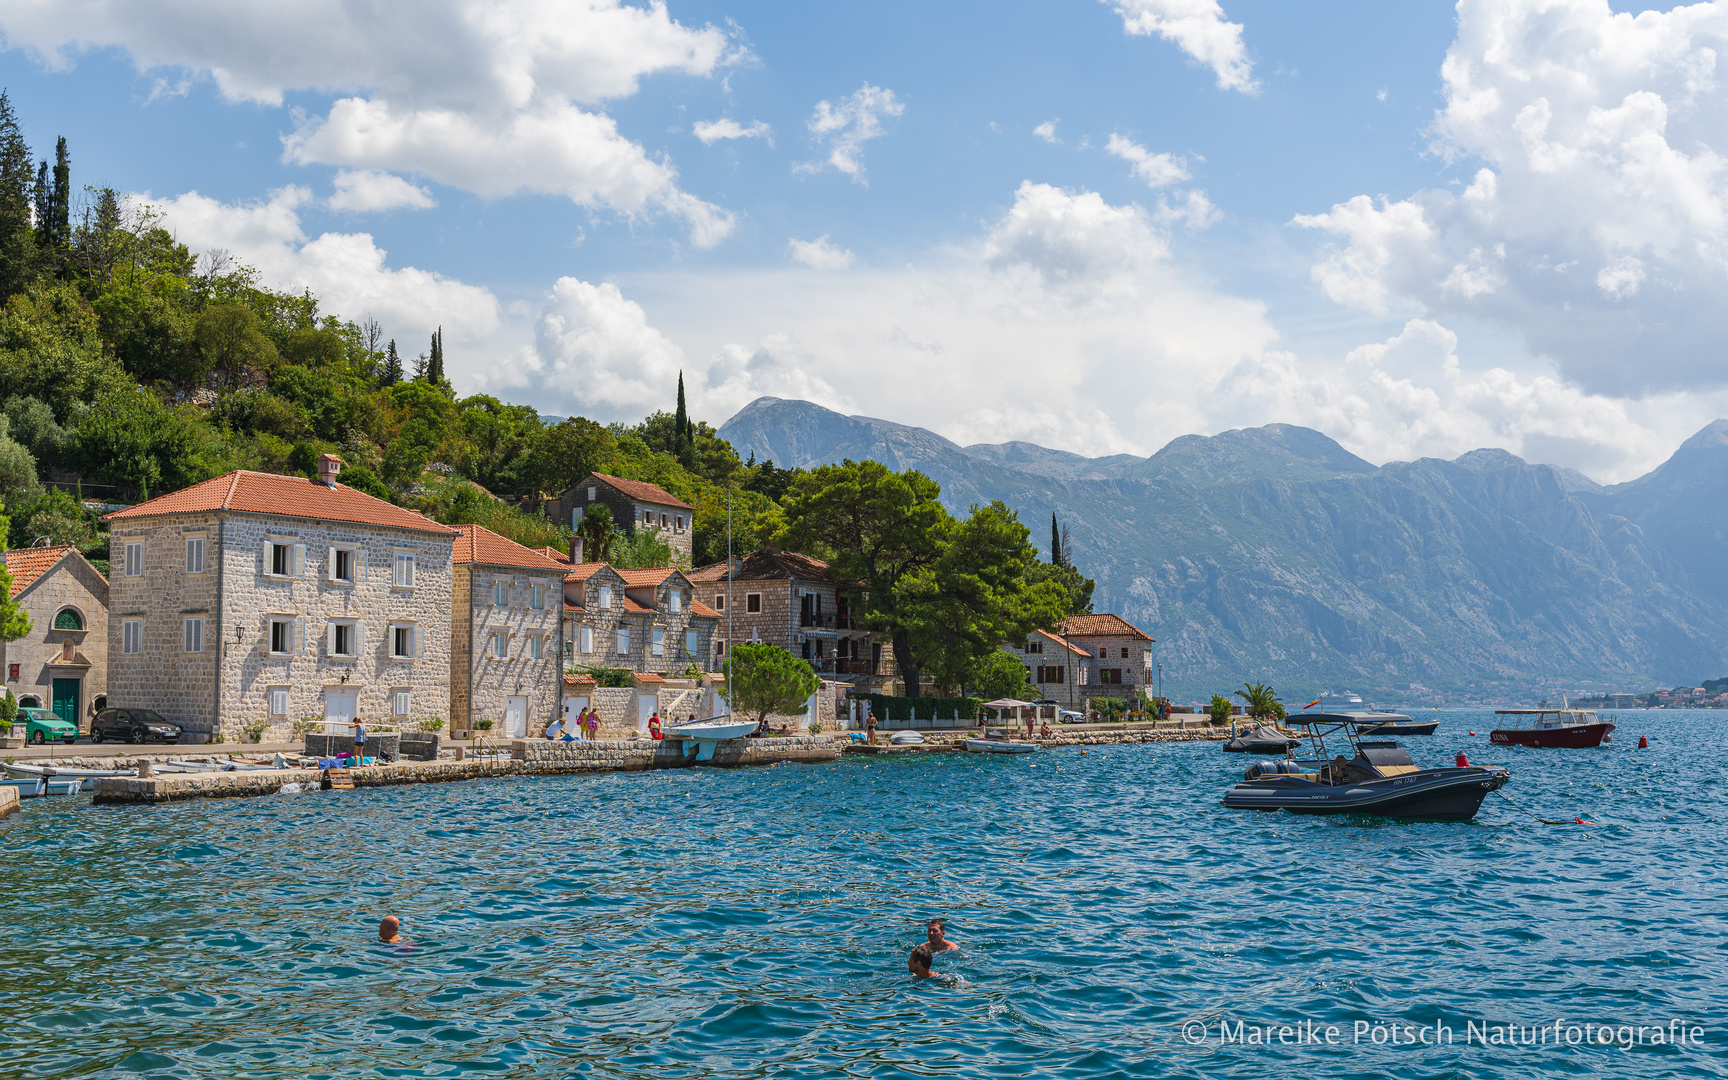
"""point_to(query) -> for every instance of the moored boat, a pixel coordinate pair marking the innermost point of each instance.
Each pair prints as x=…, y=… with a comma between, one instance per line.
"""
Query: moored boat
x=906, y=738
x=1259, y=739
x=1380, y=779
x=26, y=786
x=1394, y=724
x=996, y=741
x=1554, y=728
x=86, y=777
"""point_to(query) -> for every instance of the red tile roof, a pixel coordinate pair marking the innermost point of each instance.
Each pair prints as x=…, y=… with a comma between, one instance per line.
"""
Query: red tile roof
x=697, y=607
x=284, y=496
x=584, y=571
x=648, y=677
x=568, y=607
x=631, y=607
x=554, y=554
x=478, y=544
x=1101, y=626
x=642, y=491
x=1048, y=636
x=27, y=564
x=652, y=576
x=769, y=564
x=578, y=680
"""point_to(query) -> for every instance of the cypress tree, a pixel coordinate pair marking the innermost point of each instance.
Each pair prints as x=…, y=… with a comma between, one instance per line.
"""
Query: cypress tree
x=17, y=172
x=392, y=366
x=1055, y=541
x=682, y=444
x=43, y=201
x=60, y=208
x=435, y=360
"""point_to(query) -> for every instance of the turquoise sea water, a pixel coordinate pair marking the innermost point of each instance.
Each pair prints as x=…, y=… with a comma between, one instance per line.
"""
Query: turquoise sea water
x=756, y=923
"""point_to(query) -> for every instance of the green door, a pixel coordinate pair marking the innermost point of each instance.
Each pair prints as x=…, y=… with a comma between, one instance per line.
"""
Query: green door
x=66, y=700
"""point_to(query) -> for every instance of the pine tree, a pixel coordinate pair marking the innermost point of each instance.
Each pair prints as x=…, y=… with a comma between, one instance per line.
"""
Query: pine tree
x=392, y=366
x=1055, y=541
x=60, y=202
x=420, y=366
x=17, y=172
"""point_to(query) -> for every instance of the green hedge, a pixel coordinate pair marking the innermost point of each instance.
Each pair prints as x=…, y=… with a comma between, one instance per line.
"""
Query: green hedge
x=605, y=676
x=900, y=708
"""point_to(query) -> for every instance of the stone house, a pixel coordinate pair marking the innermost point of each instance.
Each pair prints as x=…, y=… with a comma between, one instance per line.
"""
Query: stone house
x=63, y=663
x=796, y=602
x=507, y=635
x=256, y=600
x=640, y=620
x=635, y=505
x=1057, y=668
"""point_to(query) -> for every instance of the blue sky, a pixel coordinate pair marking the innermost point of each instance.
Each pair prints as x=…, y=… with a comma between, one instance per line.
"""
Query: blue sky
x=1533, y=259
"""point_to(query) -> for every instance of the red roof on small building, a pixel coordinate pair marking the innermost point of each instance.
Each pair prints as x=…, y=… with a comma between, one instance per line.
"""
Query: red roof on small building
x=642, y=491
x=1101, y=626
x=1070, y=646
x=769, y=564
x=583, y=571
x=554, y=554
x=697, y=607
x=481, y=545
x=651, y=576
x=284, y=496
x=27, y=564
x=578, y=680
x=648, y=677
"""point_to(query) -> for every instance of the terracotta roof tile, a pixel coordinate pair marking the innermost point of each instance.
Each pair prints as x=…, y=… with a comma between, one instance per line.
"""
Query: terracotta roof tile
x=1101, y=626
x=1048, y=636
x=648, y=677
x=642, y=491
x=769, y=565
x=631, y=607
x=283, y=496
x=481, y=545
x=584, y=571
x=27, y=564
x=568, y=606
x=697, y=607
x=578, y=680
x=553, y=553
x=652, y=576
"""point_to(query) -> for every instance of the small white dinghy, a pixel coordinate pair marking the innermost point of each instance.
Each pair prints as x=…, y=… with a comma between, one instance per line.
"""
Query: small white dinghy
x=86, y=777
x=906, y=738
x=700, y=737
x=998, y=742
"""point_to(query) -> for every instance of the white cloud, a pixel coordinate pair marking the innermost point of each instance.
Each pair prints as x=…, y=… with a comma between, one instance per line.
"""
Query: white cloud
x=819, y=254
x=368, y=191
x=1158, y=170
x=1192, y=210
x=346, y=271
x=1074, y=240
x=488, y=98
x=712, y=131
x=1047, y=131
x=846, y=127
x=594, y=347
x=1596, y=225
x=1198, y=28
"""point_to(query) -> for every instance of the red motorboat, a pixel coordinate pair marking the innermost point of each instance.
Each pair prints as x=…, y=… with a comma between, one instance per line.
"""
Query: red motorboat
x=1551, y=727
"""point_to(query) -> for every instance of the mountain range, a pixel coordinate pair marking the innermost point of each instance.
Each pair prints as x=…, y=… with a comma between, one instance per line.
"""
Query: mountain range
x=1273, y=553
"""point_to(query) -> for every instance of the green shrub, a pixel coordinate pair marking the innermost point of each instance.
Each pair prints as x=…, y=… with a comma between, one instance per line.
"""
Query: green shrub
x=605, y=676
x=434, y=724
x=255, y=728
x=900, y=708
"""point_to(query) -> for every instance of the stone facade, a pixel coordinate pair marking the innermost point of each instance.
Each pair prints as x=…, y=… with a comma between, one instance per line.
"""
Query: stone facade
x=1055, y=667
x=1090, y=656
x=54, y=655
x=634, y=505
x=663, y=634
x=264, y=631
x=789, y=600
x=482, y=683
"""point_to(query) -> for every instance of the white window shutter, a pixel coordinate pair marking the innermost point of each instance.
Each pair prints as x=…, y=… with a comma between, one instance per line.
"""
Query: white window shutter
x=330, y=566
x=299, y=568
x=299, y=637
x=419, y=644
x=329, y=639
x=264, y=559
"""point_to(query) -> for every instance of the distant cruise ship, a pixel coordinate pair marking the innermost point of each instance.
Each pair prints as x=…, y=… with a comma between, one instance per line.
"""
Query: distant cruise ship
x=1344, y=702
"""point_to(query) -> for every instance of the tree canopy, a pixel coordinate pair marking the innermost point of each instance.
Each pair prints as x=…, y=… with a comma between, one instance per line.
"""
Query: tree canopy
x=765, y=679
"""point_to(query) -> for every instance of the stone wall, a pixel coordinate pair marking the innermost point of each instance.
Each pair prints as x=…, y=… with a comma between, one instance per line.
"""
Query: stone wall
x=604, y=621
x=481, y=684
x=639, y=754
x=163, y=676
x=73, y=583
x=8, y=801
x=386, y=747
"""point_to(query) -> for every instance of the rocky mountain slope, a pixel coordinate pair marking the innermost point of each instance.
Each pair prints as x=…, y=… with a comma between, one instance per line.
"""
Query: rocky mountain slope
x=1273, y=553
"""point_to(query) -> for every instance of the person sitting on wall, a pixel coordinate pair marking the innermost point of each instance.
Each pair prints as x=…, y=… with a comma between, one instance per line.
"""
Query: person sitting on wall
x=555, y=729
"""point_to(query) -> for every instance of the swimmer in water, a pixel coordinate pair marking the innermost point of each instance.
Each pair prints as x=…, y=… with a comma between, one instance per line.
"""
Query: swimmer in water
x=390, y=930
x=919, y=962
x=936, y=937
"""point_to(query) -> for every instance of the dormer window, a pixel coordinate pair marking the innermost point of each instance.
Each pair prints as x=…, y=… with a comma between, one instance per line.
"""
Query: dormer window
x=675, y=598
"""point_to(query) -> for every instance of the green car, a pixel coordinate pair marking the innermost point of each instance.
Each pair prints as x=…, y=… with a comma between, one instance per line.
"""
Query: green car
x=40, y=725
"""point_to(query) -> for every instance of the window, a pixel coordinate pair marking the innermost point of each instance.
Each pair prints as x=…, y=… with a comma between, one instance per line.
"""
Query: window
x=752, y=602
x=663, y=521
x=621, y=640
x=134, y=560
x=194, y=628
x=537, y=597
x=1102, y=653
x=606, y=596
x=404, y=578
x=593, y=493
x=281, y=560
x=1050, y=673
x=341, y=565
x=500, y=594
x=1035, y=646
x=400, y=701
x=676, y=598
x=678, y=523
x=1124, y=652
x=68, y=619
x=278, y=698
x=647, y=517
x=343, y=639
x=658, y=648
x=285, y=637
x=500, y=644
x=690, y=643
x=132, y=636
x=587, y=636
x=720, y=602
x=535, y=646
x=404, y=642
x=1110, y=676
x=195, y=555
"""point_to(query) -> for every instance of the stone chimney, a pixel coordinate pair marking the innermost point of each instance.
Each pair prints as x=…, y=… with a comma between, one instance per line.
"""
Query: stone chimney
x=329, y=465
x=575, y=548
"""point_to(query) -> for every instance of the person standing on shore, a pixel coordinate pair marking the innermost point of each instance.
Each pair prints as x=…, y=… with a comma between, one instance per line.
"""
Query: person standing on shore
x=359, y=739
x=870, y=726
x=593, y=724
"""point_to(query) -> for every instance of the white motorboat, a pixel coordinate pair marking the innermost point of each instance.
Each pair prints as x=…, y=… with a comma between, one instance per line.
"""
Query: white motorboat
x=700, y=737
x=26, y=786
x=86, y=777
x=62, y=785
x=998, y=742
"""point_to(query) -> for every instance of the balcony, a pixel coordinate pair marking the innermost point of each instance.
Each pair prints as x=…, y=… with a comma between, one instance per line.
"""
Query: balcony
x=824, y=621
x=835, y=665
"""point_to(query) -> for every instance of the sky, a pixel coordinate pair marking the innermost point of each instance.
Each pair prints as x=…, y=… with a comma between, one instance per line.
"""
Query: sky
x=1421, y=228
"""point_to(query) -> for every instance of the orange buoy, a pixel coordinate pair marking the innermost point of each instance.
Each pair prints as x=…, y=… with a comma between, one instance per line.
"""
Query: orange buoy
x=1643, y=743
x=1472, y=733
x=1463, y=761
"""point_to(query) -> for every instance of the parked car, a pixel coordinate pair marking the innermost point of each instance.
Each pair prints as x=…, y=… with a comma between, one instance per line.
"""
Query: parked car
x=1063, y=716
x=40, y=725
x=133, y=726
